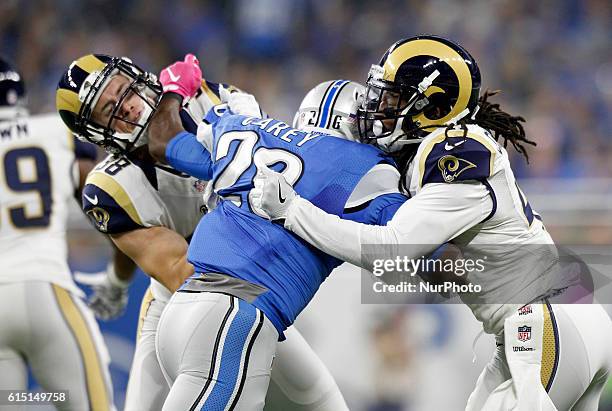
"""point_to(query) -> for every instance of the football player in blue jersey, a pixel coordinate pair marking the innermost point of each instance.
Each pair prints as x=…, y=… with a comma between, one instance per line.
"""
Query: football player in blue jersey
x=217, y=337
x=149, y=210
x=423, y=103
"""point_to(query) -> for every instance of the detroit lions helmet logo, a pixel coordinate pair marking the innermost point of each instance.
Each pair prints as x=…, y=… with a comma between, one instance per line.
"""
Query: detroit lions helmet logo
x=100, y=218
x=451, y=167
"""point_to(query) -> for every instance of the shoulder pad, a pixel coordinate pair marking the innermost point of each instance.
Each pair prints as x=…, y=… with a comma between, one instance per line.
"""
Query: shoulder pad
x=211, y=90
x=457, y=156
x=381, y=179
x=108, y=205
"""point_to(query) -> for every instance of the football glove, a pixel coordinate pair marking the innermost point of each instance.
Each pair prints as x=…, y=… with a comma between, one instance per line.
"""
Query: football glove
x=240, y=103
x=109, y=294
x=183, y=77
x=271, y=194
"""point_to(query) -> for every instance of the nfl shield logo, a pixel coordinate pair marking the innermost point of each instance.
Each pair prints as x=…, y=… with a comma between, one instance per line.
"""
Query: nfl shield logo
x=199, y=186
x=524, y=333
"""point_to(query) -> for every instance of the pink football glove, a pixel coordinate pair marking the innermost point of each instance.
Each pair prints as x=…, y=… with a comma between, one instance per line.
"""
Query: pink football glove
x=182, y=77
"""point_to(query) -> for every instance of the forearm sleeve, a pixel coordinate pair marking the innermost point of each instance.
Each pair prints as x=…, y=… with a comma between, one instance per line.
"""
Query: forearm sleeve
x=439, y=213
x=185, y=153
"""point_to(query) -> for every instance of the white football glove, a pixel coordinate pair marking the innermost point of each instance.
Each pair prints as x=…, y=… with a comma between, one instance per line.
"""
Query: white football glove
x=240, y=103
x=110, y=294
x=271, y=195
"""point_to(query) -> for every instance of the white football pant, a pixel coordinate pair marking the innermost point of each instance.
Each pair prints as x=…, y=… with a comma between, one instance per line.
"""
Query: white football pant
x=47, y=328
x=551, y=357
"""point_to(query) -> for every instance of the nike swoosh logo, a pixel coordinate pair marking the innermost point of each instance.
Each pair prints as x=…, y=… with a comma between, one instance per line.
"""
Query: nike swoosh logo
x=172, y=76
x=93, y=200
x=449, y=147
x=280, y=197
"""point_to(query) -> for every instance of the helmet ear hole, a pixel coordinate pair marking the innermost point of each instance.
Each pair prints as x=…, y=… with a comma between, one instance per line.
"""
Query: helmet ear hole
x=439, y=106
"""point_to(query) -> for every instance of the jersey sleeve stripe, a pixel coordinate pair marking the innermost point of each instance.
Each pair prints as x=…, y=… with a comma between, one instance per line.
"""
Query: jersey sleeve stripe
x=211, y=95
x=426, y=151
x=147, y=299
x=550, y=347
x=485, y=142
x=381, y=179
x=117, y=192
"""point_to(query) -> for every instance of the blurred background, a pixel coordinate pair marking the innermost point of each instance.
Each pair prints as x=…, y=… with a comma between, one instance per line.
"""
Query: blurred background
x=552, y=59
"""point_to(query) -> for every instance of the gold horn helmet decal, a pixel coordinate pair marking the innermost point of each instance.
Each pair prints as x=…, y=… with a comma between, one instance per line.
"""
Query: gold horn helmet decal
x=420, y=84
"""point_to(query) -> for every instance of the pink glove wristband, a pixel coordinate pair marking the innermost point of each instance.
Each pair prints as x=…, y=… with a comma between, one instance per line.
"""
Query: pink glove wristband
x=183, y=77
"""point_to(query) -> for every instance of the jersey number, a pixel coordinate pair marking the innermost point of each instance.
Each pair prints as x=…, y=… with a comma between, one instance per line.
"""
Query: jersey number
x=39, y=182
x=244, y=157
x=527, y=211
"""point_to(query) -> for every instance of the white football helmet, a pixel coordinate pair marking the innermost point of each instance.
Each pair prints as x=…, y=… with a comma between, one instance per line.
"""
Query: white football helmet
x=331, y=108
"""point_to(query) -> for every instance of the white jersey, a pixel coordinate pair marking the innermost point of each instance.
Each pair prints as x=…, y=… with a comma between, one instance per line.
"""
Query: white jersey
x=511, y=237
x=464, y=192
x=124, y=193
x=37, y=177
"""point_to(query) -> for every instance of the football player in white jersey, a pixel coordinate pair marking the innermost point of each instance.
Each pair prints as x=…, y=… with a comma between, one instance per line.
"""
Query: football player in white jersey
x=423, y=103
x=44, y=324
x=149, y=210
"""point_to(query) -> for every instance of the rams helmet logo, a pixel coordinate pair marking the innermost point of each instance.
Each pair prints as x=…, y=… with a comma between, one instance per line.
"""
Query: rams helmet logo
x=451, y=167
x=100, y=218
x=420, y=83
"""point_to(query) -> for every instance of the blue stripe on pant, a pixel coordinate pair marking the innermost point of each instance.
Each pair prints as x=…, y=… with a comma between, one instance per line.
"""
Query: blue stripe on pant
x=234, y=346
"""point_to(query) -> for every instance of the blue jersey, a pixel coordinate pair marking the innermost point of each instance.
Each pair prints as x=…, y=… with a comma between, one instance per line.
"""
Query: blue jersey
x=234, y=241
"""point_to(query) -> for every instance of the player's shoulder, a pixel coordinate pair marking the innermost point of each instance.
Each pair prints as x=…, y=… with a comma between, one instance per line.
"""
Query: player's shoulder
x=458, y=154
x=50, y=130
x=51, y=120
x=113, y=190
x=208, y=97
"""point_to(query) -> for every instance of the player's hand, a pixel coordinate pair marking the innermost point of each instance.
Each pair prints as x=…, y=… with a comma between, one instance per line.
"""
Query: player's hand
x=240, y=103
x=183, y=77
x=110, y=295
x=271, y=194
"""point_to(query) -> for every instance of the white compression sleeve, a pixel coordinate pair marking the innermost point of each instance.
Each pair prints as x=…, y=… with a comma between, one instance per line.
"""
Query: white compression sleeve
x=437, y=214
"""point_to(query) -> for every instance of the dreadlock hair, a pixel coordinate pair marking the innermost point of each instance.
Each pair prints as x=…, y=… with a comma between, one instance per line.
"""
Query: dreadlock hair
x=488, y=116
x=502, y=124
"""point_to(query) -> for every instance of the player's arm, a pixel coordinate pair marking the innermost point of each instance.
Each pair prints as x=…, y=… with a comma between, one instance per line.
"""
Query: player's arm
x=165, y=125
x=171, y=144
x=109, y=287
x=124, y=266
x=159, y=252
x=439, y=213
x=376, y=199
x=181, y=80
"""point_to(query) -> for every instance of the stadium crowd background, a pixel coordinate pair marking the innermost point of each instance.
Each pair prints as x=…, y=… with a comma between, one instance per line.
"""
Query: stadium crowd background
x=551, y=58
